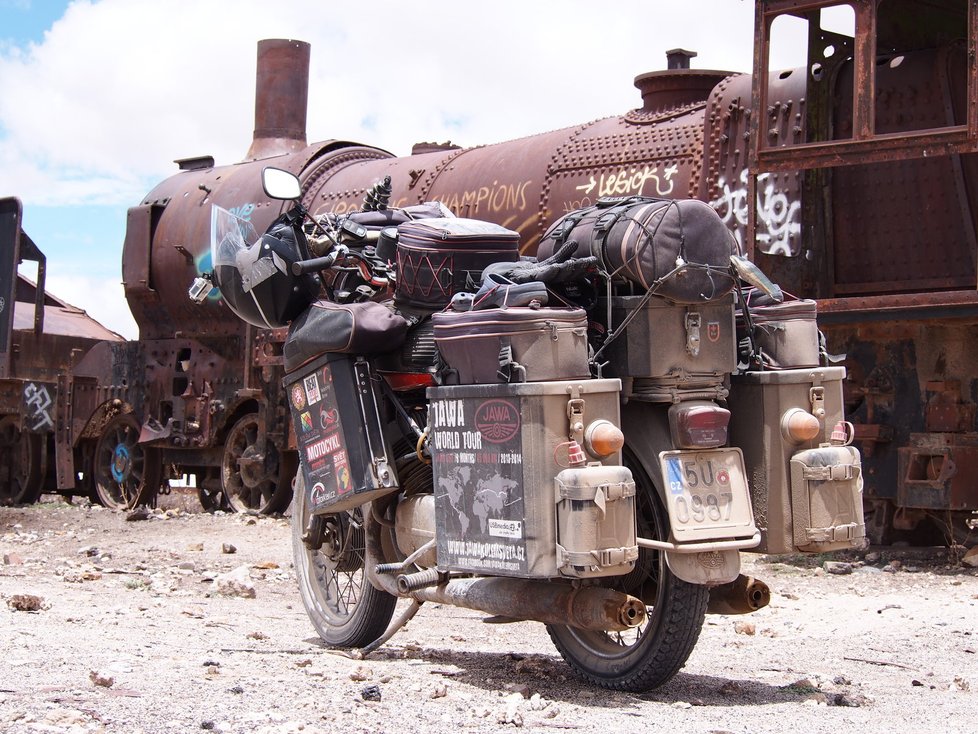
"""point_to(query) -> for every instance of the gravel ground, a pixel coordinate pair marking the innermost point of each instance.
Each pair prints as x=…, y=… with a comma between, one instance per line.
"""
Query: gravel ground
x=132, y=636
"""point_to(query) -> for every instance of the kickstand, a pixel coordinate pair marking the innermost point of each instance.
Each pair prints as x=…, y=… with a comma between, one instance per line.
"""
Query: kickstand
x=392, y=629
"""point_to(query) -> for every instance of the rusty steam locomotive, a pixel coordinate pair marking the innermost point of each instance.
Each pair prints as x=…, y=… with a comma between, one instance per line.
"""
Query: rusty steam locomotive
x=850, y=180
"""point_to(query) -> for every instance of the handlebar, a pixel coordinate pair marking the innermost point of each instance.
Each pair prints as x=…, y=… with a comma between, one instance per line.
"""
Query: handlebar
x=301, y=267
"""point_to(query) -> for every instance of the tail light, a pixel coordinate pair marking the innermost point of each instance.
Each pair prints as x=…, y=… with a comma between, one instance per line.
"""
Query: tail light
x=405, y=381
x=698, y=424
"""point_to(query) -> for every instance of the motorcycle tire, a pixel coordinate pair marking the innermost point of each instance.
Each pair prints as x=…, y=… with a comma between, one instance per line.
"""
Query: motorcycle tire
x=646, y=657
x=345, y=609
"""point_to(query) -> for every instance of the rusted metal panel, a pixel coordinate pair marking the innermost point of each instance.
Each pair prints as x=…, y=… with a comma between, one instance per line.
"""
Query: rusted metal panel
x=10, y=214
x=907, y=225
x=136, y=278
x=63, y=321
x=725, y=177
x=937, y=472
x=867, y=144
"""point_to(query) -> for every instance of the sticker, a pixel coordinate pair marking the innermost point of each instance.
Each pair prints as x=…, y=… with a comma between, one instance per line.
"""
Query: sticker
x=505, y=528
x=312, y=389
x=319, y=494
x=298, y=397
x=328, y=417
x=342, y=469
x=497, y=420
x=713, y=331
x=324, y=446
x=306, y=420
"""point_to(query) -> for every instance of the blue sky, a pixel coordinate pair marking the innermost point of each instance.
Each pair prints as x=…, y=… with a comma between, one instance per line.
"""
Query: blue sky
x=26, y=20
x=98, y=97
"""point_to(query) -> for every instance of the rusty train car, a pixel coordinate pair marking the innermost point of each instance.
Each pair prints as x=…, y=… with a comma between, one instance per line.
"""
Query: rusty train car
x=850, y=180
x=41, y=339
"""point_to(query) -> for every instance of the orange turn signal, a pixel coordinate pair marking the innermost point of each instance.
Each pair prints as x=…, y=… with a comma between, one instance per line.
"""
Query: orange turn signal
x=799, y=426
x=603, y=438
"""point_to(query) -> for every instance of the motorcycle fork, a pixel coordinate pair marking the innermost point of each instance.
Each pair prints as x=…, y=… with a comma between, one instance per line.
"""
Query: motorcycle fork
x=315, y=533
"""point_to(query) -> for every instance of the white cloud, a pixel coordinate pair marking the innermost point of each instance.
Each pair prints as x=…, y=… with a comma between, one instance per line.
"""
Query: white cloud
x=99, y=297
x=119, y=88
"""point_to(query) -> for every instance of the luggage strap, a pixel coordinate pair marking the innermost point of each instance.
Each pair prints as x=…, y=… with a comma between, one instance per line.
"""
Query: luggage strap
x=836, y=533
x=834, y=473
x=600, y=557
x=509, y=369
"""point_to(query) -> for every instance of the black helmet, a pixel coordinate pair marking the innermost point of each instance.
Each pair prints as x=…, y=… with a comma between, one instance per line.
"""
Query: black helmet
x=254, y=276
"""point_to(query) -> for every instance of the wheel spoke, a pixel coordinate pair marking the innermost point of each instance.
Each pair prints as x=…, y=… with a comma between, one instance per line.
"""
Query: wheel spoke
x=345, y=608
x=20, y=464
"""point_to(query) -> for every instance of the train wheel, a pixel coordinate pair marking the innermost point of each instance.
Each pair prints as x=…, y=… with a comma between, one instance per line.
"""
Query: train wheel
x=124, y=473
x=643, y=658
x=345, y=609
x=253, y=480
x=21, y=468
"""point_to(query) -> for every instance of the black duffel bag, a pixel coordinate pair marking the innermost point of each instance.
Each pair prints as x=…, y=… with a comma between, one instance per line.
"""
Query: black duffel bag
x=677, y=248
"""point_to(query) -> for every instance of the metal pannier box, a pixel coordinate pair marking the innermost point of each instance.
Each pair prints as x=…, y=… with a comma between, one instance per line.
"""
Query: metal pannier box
x=517, y=344
x=806, y=495
x=497, y=457
x=343, y=453
x=674, y=347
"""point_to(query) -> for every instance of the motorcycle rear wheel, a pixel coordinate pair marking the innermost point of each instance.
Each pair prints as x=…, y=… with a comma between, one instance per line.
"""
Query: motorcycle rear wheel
x=345, y=609
x=648, y=656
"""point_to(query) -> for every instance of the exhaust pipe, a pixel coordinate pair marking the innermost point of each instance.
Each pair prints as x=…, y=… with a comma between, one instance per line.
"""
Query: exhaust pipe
x=743, y=595
x=591, y=607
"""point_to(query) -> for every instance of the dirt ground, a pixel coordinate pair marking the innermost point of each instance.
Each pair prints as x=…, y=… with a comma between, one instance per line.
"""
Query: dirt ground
x=132, y=636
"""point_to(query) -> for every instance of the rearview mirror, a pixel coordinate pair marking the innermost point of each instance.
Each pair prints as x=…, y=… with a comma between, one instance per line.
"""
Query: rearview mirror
x=279, y=184
x=750, y=273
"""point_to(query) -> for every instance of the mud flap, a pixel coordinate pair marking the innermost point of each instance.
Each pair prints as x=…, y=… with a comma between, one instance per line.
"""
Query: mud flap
x=709, y=568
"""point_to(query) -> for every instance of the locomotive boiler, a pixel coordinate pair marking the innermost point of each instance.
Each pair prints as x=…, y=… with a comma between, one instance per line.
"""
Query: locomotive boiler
x=850, y=180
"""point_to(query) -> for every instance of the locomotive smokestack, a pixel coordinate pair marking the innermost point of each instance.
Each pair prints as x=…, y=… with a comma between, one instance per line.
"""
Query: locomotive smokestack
x=678, y=58
x=281, y=98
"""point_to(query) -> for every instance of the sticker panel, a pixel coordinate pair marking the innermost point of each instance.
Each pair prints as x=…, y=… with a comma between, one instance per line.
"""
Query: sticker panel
x=477, y=452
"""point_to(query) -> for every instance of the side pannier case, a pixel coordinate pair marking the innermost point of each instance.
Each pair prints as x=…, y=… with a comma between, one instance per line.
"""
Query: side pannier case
x=344, y=455
x=806, y=495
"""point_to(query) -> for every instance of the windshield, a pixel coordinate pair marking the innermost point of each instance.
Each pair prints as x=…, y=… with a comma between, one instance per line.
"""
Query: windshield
x=230, y=235
x=233, y=245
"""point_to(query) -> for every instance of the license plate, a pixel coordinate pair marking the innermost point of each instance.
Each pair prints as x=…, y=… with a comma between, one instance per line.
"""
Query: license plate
x=707, y=494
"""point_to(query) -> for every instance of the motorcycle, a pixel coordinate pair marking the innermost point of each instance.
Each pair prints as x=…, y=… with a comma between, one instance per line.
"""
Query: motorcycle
x=564, y=439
